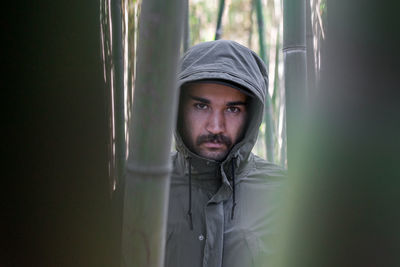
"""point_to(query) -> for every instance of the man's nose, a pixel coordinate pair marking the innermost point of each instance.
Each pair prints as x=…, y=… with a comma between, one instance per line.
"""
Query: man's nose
x=216, y=123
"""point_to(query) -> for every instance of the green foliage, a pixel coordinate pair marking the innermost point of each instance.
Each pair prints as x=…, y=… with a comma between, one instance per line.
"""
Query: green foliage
x=323, y=11
x=322, y=7
x=202, y=20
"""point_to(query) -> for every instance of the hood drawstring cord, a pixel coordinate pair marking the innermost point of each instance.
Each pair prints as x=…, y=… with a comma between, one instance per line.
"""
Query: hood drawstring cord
x=233, y=187
x=189, y=213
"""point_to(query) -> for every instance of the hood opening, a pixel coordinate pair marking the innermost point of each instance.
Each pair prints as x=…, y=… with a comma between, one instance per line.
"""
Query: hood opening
x=254, y=109
x=229, y=63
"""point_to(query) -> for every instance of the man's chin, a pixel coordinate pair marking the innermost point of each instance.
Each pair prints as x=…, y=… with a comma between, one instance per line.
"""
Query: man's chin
x=214, y=155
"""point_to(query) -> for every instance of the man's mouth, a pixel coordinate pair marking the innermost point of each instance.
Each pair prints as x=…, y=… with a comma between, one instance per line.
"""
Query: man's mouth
x=213, y=145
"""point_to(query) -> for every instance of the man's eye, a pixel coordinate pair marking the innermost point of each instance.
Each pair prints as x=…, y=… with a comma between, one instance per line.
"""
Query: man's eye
x=233, y=109
x=200, y=106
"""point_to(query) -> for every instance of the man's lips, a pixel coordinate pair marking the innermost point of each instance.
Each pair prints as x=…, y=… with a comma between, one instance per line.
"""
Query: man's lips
x=213, y=145
x=213, y=142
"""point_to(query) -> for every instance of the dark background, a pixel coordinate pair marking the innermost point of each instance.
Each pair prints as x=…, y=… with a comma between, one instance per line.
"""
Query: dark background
x=56, y=207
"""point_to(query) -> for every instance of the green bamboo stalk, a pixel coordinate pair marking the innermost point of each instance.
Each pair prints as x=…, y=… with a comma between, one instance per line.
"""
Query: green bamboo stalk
x=276, y=78
x=269, y=125
x=261, y=36
x=250, y=38
x=283, y=147
x=294, y=58
x=311, y=71
x=119, y=99
x=277, y=104
x=186, y=26
x=131, y=31
x=154, y=113
x=218, y=31
x=295, y=65
x=107, y=62
x=269, y=129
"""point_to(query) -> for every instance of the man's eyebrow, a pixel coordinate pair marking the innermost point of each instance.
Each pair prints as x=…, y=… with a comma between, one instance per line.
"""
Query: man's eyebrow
x=206, y=101
x=203, y=100
x=236, y=103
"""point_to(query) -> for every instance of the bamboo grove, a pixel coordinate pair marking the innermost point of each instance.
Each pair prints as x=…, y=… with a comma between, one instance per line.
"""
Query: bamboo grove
x=278, y=33
x=256, y=24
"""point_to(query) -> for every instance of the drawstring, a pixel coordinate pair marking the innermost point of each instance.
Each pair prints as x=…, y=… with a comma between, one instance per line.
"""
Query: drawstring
x=233, y=188
x=190, y=194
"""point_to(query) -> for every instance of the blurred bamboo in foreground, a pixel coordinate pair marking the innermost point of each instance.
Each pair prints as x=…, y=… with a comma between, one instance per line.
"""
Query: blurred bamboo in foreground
x=343, y=193
x=154, y=114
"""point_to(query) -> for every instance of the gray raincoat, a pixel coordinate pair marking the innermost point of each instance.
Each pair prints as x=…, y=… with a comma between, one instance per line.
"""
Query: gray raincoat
x=223, y=213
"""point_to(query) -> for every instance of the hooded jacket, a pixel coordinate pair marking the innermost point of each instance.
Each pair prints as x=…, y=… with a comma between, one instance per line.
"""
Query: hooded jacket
x=223, y=213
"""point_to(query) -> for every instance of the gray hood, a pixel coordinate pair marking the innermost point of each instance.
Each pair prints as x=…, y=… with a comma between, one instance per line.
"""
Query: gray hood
x=232, y=62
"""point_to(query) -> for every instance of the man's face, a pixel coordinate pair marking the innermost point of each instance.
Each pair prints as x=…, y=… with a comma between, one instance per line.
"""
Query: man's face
x=214, y=116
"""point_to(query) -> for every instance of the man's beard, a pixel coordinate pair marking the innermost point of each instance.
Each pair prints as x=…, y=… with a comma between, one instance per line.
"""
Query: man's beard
x=216, y=154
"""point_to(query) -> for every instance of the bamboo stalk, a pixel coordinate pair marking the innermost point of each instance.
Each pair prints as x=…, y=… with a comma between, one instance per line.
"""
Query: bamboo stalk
x=118, y=87
x=269, y=125
x=283, y=146
x=250, y=38
x=277, y=102
x=311, y=77
x=221, y=8
x=107, y=60
x=269, y=129
x=260, y=23
x=276, y=71
x=295, y=65
x=186, y=26
x=154, y=113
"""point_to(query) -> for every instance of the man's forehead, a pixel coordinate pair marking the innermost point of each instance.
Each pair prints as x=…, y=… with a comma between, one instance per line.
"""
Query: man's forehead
x=212, y=82
x=214, y=91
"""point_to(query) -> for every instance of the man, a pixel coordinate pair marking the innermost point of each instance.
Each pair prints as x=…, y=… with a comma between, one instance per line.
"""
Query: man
x=221, y=208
